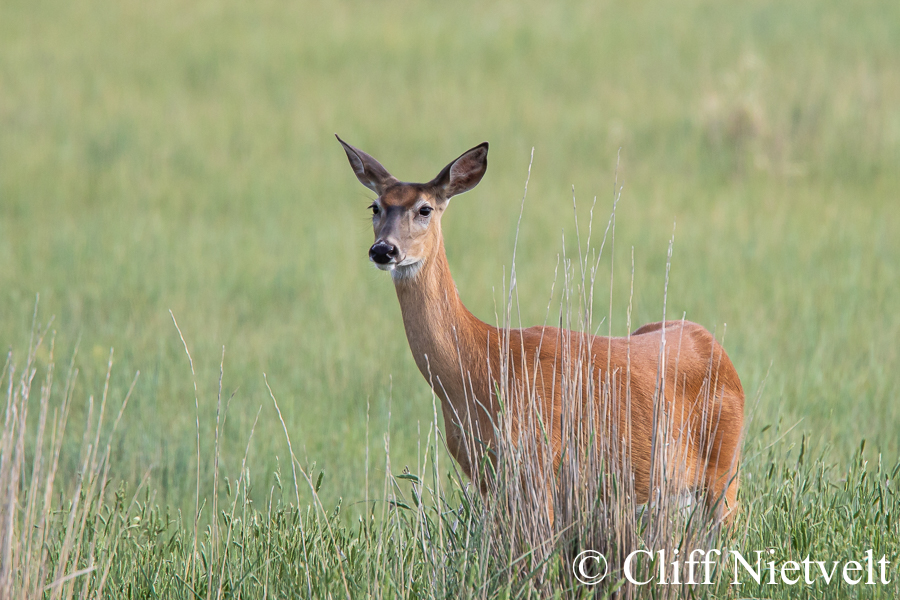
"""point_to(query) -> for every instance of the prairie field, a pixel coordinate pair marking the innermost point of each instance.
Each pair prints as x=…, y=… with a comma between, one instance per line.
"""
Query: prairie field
x=165, y=159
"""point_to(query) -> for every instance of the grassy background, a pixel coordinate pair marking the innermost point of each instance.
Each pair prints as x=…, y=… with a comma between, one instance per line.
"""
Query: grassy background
x=169, y=156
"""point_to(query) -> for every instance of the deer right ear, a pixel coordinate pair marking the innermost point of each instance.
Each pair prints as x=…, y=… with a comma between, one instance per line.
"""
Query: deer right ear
x=368, y=170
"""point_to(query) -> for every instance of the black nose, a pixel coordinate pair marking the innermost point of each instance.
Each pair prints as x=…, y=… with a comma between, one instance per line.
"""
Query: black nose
x=382, y=253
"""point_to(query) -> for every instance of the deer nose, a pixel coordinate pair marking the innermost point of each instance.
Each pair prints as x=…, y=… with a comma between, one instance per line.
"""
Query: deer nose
x=382, y=253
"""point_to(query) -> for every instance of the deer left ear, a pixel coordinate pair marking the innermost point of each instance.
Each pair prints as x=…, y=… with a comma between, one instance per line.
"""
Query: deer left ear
x=462, y=174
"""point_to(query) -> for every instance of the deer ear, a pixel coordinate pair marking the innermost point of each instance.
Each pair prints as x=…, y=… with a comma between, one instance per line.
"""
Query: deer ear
x=368, y=170
x=464, y=173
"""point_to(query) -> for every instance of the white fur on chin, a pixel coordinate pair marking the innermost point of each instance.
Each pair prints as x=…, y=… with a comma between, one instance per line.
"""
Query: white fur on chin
x=405, y=271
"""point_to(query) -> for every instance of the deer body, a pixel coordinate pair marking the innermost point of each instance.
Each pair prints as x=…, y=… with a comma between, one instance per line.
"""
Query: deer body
x=618, y=381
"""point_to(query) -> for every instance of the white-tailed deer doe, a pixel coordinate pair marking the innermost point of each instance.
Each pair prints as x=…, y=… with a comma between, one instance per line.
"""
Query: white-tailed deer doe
x=466, y=361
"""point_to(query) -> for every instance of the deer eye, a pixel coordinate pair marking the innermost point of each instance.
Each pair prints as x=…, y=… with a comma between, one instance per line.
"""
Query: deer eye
x=425, y=211
x=374, y=208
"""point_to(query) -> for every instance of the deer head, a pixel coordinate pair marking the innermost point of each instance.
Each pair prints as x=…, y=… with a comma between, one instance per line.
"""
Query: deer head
x=406, y=217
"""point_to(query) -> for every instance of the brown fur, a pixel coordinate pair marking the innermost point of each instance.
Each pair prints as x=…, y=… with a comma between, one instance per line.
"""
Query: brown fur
x=461, y=356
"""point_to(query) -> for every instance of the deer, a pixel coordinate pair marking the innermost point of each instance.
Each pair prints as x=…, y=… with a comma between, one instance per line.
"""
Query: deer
x=466, y=361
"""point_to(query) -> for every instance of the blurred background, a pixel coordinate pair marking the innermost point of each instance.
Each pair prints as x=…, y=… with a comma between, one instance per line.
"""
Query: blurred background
x=180, y=156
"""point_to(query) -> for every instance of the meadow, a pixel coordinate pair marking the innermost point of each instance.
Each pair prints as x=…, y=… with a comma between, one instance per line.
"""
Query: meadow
x=169, y=157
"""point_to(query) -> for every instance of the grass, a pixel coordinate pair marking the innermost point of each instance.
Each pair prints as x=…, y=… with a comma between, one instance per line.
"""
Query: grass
x=158, y=157
x=426, y=534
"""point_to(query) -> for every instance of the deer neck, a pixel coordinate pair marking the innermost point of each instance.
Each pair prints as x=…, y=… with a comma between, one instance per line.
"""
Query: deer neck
x=448, y=342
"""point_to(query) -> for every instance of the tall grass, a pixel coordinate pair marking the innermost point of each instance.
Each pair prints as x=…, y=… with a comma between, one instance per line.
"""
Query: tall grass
x=427, y=533
x=50, y=530
x=540, y=514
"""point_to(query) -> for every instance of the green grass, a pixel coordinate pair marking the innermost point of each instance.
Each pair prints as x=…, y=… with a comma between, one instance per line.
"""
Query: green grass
x=163, y=156
x=424, y=535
